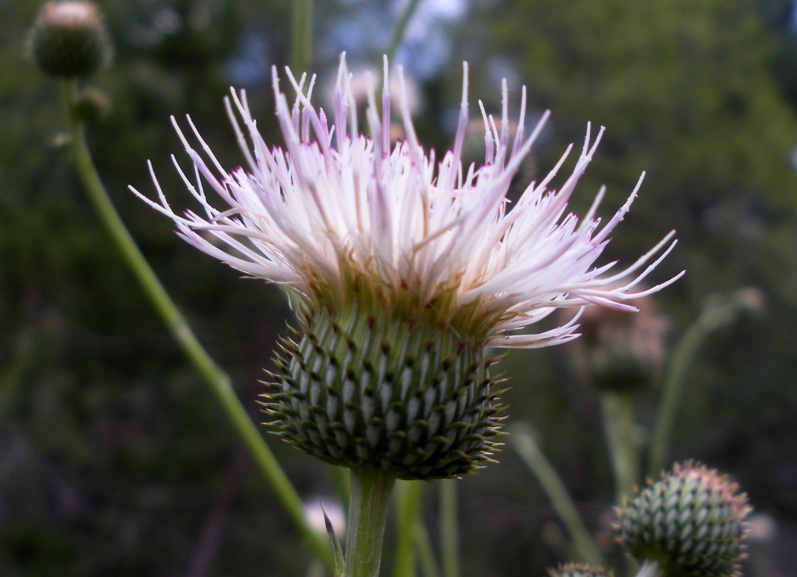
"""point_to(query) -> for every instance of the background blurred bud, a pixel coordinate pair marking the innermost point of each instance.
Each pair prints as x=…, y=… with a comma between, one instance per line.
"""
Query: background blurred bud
x=724, y=309
x=761, y=528
x=622, y=351
x=362, y=86
x=69, y=39
x=92, y=105
x=60, y=140
x=690, y=522
x=576, y=570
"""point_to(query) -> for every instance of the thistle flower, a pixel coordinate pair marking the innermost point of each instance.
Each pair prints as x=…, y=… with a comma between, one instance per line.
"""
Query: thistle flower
x=690, y=522
x=407, y=271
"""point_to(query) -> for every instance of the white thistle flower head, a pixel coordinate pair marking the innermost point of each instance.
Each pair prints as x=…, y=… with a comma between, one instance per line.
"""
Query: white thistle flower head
x=408, y=269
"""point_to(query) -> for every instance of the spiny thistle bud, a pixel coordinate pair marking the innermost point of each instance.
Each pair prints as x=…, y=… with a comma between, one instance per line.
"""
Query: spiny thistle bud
x=578, y=570
x=396, y=390
x=690, y=522
x=69, y=39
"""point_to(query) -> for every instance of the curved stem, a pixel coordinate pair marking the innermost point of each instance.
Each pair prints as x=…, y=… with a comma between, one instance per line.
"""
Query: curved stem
x=618, y=424
x=718, y=314
x=211, y=374
x=672, y=391
x=370, y=495
x=533, y=457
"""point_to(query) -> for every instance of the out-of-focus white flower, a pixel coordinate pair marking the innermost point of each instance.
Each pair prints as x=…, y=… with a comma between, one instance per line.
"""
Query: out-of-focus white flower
x=335, y=205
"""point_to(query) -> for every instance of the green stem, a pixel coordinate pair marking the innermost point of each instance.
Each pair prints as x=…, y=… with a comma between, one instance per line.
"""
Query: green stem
x=618, y=423
x=370, y=495
x=449, y=528
x=672, y=391
x=533, y=457
x=302, y=35
x=425, y=554
x=203, y=364
x=719, y=313
x=341, y=477
x=401, y=29
x=408, y=501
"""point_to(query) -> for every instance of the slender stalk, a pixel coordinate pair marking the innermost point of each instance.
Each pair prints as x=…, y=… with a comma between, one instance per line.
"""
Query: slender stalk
x=533, y=457
x=401, y=28
x=370, y=495
x=449, y=528
x=211, y=374
x=672, y=392
x=408, y=501
x=302, y=35
x=423, y=548
x=618, y=424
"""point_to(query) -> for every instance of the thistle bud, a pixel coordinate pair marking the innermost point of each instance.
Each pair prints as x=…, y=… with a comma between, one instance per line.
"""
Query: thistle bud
x=92, y=105
x=620, y=351
x=690, y=522
x=383, y=390
x=69, y=39
x=578, y=570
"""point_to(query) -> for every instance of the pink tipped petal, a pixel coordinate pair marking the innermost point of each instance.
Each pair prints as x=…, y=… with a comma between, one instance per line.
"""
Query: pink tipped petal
x=332, y=201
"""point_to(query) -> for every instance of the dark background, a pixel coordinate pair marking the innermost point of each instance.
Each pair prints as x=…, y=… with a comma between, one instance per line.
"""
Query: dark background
x=114, y=460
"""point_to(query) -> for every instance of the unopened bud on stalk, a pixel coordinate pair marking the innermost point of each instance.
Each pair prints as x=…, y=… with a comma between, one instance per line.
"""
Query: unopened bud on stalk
x=92, y=105
x=69, y=39
x=620, y=351
x=578, y=570
x=690, y=522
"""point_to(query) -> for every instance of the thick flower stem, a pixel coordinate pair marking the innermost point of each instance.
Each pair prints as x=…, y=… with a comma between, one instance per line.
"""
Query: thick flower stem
x=408, y=501
x=208, y=371
x=369, y=498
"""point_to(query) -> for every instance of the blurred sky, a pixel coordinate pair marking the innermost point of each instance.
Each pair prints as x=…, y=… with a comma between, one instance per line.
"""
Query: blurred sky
x=363, y=34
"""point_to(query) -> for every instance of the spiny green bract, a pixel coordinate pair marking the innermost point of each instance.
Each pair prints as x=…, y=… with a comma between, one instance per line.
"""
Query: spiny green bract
x=690, y=522
x=384, y=388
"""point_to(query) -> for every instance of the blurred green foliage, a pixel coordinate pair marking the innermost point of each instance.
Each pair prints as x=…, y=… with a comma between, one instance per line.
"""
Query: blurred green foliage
x=112, y=458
